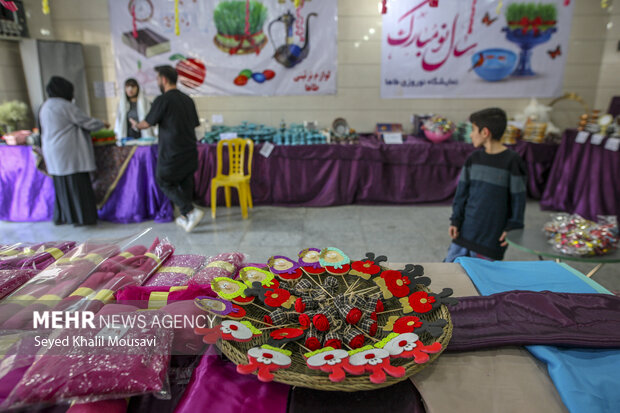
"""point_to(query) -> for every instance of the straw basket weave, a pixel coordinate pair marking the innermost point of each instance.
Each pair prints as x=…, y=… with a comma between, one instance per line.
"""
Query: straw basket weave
x=298, y=374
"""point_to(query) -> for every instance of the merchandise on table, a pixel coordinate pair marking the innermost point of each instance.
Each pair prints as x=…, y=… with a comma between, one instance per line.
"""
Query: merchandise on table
x=575, y=235
x=11, y=280
x=222, y=265
x=36, y=256
x=438, y=129
x=319, y=307
x=177, y=270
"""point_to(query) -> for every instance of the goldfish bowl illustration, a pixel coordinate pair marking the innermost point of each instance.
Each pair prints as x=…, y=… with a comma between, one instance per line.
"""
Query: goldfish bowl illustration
x=494, y=64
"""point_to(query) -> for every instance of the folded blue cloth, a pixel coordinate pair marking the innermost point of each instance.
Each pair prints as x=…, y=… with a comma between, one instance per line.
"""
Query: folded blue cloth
x=587, y=379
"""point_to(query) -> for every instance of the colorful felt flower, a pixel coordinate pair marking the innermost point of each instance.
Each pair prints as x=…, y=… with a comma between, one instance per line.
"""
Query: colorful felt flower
x=329, y=360
x=214, y=305
x=266, y=359
x=230, y=330
x=393, y=284
x=406, y=324
x=408, y=345
x=243, y=300
x=373, y=360
x=250, y=275
x=418, y=302
x=364, y=269
x=285, y=335
x=309, y=261
x=284, y=267
x=335, y=261
x=275, y=297
x=228, y=288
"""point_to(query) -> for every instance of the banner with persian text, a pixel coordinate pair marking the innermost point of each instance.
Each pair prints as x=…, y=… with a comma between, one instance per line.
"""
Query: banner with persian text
x=474, y=48
x=236, y=47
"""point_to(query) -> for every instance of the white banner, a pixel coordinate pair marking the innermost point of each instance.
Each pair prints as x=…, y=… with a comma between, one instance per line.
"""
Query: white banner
x=474, y=48
x=238, y=47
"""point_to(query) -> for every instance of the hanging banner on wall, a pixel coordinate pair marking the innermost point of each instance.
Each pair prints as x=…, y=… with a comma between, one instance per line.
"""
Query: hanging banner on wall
x=474, y=48
x=228, y=47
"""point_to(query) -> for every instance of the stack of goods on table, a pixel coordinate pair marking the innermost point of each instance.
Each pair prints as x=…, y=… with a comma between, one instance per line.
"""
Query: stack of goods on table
x=257, y=132
x=107, y=279
x=575, y=235
x=103, y=137
x=20, y=262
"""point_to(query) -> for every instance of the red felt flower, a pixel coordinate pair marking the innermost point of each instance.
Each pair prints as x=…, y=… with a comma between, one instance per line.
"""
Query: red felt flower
x=421, y=302
x=357, y=341
x=333, y=343
x=379, y=307
x=321, y=322
x=373, y=329
x=304, y=320
x=300, y=306
x=267, y=319
x=312, y=343
x=286, y=333
x=373, y=316
x=354, y=315
x=276, y=297
x=407, y=324
x=397, y=283
x=366, y=267
x=237, y=312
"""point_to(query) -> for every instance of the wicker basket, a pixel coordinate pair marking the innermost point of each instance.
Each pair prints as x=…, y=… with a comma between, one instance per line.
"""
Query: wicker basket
x=298, y=374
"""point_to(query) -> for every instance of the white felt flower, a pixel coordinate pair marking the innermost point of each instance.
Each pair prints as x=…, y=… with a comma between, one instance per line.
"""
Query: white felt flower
x=331, y=358
x=372, y=357
x=266, y=356
x=236, y=329
x=400, y=343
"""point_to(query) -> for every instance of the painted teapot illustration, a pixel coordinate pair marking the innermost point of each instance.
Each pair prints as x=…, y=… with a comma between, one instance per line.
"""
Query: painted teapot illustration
x=290, y=54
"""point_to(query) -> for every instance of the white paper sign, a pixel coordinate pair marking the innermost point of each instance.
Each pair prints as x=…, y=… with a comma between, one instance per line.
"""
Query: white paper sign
x=228, y=135
x=104, y=89
x=582, y=137
x=597, y=138
x=612, y=144
x=215, y=119
x=393, y=137
x=267, y=149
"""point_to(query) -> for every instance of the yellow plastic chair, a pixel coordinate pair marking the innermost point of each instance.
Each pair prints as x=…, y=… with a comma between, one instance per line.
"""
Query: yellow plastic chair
x=236, y=174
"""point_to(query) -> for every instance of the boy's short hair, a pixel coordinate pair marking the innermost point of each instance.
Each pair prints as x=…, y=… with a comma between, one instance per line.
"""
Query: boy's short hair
x=494, y=119
x=167, y=72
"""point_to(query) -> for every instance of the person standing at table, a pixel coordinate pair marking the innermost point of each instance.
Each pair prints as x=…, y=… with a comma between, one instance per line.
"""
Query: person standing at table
x=133, y=106
x=490, y=196
x=68, y=152
x=176, y=115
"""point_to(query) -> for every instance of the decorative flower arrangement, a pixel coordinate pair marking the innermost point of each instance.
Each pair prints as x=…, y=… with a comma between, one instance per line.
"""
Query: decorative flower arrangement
x=11, y=114
x=240, y=26
x=575, y=235
x=338, y=320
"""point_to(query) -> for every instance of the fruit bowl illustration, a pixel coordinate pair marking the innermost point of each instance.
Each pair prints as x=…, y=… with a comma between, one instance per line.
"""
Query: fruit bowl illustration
x=494, y=64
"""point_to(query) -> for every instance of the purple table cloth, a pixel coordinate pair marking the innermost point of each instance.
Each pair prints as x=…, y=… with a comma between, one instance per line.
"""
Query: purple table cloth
x=318, y=175
x=583, y=179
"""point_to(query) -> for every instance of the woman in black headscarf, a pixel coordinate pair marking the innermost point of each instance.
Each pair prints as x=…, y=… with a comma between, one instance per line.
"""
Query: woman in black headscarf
x=68, y=153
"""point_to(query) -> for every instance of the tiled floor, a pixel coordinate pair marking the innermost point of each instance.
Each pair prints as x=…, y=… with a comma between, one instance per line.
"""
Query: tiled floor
x=403, y=233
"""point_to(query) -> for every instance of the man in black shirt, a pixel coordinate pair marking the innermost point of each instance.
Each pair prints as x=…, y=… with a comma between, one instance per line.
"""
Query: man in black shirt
x=175, y=113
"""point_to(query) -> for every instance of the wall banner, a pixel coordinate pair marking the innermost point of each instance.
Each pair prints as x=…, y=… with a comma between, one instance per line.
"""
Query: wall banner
x=474, y=48
x=228, y=47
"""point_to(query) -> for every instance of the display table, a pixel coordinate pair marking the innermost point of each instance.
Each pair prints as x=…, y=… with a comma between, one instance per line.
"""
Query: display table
x=417, y=171
x=534, y=242
x=583, y=179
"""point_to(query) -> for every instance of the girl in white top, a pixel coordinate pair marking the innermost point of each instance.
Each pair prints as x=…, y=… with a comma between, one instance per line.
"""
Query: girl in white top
x=133, y=105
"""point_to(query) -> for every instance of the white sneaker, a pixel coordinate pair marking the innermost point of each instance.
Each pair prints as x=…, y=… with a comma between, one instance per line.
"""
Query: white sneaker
x=193, y=219
x=181, y=221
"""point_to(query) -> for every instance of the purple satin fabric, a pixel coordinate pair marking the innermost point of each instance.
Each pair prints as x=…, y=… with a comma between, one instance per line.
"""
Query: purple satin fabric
x=583, y=179
x=137, y=197
x=26, y=194
x=318, y=175
x=539, y=159
x=530, y=318
x=217, y=387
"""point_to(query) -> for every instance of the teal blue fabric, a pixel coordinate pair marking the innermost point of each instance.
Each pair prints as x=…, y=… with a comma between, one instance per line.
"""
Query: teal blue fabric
x=588, y=380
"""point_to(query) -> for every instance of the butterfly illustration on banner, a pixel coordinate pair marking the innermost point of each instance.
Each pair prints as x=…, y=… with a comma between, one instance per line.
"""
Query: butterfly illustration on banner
x=488, y=20
x=555, y=53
